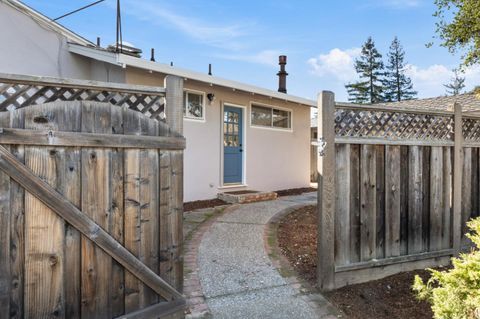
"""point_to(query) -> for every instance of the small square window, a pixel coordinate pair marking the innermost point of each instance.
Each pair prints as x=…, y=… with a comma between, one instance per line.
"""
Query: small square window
x=194, y=107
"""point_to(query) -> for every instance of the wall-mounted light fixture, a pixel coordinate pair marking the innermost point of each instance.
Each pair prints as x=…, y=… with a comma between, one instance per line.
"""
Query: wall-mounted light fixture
x=211, y=97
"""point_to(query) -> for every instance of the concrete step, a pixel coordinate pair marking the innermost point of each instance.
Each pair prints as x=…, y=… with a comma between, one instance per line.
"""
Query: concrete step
x=246, y=196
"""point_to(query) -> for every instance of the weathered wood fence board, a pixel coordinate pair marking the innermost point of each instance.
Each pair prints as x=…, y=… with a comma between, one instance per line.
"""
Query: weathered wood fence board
x=117, y=210
x=342, y=216
x=354, y=211
x=368, y=197
x=392, y=200
x=6, y=229
x=17, y=232
x=394, y=189
x=62, y=242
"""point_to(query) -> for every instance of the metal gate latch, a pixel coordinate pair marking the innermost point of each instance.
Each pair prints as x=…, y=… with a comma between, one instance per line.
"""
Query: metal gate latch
x=321, y=146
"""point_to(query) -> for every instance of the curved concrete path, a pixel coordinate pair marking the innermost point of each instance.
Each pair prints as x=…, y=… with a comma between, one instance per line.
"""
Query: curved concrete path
x=236, y=274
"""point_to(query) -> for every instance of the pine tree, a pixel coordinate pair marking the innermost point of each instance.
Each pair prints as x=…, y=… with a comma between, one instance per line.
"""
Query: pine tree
x=370, y=67
x=457, y=84
x=398, y=86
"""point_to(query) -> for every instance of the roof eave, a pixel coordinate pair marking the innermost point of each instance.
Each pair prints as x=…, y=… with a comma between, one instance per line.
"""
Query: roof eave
x=126, y=60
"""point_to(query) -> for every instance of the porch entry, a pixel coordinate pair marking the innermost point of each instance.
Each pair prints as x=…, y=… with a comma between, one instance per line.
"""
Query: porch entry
x=232, y=145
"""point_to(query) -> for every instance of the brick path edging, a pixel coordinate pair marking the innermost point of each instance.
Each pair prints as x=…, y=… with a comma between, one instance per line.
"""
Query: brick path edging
x=305, y=290
x=192, y=289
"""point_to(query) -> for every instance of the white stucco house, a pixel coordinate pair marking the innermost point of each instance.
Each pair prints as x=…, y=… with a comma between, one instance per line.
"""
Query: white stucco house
x=239, y=136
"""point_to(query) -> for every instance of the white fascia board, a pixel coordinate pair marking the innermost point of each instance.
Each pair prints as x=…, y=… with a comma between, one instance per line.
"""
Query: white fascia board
x=126, y=60
x=95, y=54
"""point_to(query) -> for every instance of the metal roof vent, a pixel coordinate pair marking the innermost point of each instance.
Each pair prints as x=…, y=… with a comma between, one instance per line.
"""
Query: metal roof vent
x=126, y=48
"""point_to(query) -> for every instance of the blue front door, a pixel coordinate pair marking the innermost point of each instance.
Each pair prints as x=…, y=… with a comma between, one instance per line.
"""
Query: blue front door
x=232, y=145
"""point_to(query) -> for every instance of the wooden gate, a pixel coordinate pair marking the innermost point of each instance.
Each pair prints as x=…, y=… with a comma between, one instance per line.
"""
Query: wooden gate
x=90, y=207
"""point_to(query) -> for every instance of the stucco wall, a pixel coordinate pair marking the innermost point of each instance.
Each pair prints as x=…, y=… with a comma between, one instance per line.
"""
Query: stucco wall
x=106, y=72
x=28, y=47
x=275, y=159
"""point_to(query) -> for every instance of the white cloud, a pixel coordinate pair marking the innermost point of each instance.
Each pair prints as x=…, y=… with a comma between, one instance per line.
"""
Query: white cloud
x=472, y=77
x=402, y=3
x=266, y=57
x=430, y=81
x=222, y=36
x=395, y=4
x=338, y=64
x=232, y=38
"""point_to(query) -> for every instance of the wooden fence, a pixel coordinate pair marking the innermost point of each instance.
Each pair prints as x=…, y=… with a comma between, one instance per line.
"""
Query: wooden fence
x=396, y=188
x=91, y=197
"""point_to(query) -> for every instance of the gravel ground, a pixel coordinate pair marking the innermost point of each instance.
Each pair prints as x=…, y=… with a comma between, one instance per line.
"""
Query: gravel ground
x=237, y=276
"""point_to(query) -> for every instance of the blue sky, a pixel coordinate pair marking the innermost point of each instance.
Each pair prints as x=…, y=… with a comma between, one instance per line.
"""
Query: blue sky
x=242, y=39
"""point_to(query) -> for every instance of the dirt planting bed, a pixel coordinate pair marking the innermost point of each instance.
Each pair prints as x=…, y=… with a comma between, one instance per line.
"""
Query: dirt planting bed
x=200, y=204
x=388, y=298
x=295, y=191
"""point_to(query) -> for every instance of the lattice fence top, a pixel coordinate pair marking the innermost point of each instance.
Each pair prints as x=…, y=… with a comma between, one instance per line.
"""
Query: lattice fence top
x=20, y=91
x=471, y=129
x=386, y=124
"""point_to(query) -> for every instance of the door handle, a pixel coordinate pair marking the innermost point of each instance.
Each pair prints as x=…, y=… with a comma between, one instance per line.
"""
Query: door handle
x=241, y=150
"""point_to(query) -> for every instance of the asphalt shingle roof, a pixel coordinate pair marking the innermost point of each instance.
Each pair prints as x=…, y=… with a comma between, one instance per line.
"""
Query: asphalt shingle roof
x=469, y=102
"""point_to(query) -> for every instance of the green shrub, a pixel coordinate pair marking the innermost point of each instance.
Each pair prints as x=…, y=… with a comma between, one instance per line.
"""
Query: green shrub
x=455, y=293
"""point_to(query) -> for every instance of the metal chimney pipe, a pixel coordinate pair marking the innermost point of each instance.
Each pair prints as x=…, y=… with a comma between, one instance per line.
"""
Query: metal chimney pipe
x=152, y=55
x=98, y=41
x=282, y=74
x=209, y=69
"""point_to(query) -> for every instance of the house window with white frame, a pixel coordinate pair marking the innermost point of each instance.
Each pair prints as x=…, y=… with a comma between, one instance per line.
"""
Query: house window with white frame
x=271, y=117
x=194, y=107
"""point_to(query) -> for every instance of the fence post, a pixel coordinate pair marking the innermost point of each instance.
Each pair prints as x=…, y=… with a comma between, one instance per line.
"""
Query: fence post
x=326, y=191
x=174, y=112
x=457, y=178
x=174, y=102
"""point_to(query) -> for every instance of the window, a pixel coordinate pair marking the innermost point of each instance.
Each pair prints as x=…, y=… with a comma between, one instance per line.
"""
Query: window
x=271, y=117
x=231, y=129
x=194, y=107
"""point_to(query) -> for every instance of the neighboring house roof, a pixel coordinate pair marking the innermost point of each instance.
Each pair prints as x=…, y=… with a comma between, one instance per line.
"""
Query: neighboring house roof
x=124, y=60
x=46, y=21
x=470, y=103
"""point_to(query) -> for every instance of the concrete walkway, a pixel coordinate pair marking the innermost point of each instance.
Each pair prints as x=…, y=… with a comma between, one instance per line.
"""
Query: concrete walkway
x=236, y=274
